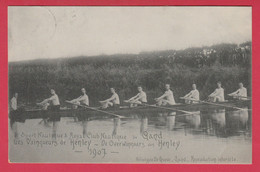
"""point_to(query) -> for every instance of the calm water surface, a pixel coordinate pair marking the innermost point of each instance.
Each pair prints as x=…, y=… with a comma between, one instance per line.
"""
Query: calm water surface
x=216, y=136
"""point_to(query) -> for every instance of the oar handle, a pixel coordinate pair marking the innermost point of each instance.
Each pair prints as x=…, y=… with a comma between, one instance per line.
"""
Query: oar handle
x=119, y=116
x=187, y=98
x=239, y=96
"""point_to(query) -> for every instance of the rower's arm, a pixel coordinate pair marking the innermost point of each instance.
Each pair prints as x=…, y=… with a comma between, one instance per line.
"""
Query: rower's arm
x=187, y=95
x=81, y=98
x=77, y=99
x=132, y=98
x=214, y=93
x=234, y=93
x=164, y=95
x=45, y=101
x=110, y=99
x=51, y=98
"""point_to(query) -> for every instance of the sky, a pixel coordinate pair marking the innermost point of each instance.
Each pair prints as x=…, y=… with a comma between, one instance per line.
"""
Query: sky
x=55, y=32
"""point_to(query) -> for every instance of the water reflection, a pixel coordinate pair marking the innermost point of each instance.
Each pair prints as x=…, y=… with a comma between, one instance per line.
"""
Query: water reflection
x=218, y=123
x=194, y=119
x=241, y=116
x=222, y=123
x=170, y=121
x=144, y=124
x=85, y=125
x=14, y=128
x=201, y=130
x=54, y=129
x=219, y=118
x=238, y=123
x=116, y=126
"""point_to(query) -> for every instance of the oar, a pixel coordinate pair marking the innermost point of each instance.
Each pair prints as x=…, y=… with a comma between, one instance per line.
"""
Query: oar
x=240, y=96
x=160, y=107
x=213, y=103
x=144, y=104
x=94, y=109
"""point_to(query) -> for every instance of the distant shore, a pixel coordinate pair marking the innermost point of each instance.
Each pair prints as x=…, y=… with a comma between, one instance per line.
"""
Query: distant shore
x=228, y=63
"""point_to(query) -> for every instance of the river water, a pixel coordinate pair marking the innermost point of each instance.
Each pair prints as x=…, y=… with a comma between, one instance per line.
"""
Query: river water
x=207, y=137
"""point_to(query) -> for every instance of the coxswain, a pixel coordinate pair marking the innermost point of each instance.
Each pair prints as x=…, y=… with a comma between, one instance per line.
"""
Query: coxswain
x=14, y=102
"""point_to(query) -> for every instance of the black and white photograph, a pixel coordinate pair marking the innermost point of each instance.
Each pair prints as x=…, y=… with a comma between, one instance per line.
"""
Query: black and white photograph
x=128, y=84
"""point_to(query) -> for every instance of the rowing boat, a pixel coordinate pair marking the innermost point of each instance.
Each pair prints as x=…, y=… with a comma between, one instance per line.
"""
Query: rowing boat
x=125, y=110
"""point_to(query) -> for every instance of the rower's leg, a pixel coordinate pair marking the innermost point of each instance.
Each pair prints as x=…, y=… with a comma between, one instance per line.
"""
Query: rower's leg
x=164, y=102
x=131, y=104
x=137, y=103
x=187, y=101
x=76, y=105
x=212, y=99
x=104, y=105
x=159, y=102
x=45, y=106
x=219, y=99
x=109, y=104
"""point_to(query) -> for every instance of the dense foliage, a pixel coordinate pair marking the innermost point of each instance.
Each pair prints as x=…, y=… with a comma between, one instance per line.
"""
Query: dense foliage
x=228, y=63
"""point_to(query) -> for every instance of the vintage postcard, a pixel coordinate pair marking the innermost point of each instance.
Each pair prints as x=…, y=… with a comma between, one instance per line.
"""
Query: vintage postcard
x=157, y=85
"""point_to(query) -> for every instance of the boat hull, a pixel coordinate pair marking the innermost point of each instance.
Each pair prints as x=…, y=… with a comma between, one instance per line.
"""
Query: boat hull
x=146, y=110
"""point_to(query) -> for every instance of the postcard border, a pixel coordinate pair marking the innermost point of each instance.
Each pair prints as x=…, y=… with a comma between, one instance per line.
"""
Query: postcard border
x=6, y=166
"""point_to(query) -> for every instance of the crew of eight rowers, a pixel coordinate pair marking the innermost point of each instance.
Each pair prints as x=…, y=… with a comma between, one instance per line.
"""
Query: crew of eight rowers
x=166, y=99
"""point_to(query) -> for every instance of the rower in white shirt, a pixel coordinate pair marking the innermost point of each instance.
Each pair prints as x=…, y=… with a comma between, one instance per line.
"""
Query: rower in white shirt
x=52, y=103
x=81, y=100
x=113, y=101
x=138, y=99
x=193, y=94
x=167, y=98
x=14, y=102
x=241, y=93
x=218, y=94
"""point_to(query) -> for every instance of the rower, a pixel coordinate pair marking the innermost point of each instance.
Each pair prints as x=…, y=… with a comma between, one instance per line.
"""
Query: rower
x=167, y=98
x=138, y=99
x=51, y=103
x=218, y=94
x=113, y=101
x=14, y=109
x=81, y=100
x=241, y=93
x=14, y=102
x=193, y=94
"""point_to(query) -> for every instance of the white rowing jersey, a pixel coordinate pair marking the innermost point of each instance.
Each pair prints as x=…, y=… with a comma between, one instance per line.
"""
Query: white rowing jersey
x=54, y=100
x=14, y=103
x=219, y=92
x=194, y=94
x=83, y=99
x=169, y=96
x=115, y=99
x=142, y=97
x=241, y=92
